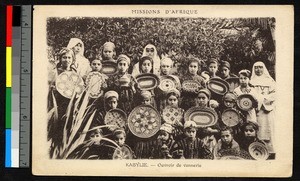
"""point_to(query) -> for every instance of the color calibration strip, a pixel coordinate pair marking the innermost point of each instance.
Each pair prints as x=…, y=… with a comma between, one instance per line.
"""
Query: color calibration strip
x=8, y=148
x=13, y=69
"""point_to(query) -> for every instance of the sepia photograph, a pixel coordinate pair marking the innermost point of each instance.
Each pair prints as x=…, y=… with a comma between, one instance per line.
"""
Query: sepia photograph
x=185, y=88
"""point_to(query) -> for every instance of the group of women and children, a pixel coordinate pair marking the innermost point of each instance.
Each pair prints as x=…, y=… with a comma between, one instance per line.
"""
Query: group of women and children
x=183, y=139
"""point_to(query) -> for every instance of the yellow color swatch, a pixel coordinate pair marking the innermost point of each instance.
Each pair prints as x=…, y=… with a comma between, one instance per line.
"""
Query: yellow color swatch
x=8, y=66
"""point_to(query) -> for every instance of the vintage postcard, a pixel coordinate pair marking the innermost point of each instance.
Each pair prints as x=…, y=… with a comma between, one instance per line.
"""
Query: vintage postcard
x=163, y=90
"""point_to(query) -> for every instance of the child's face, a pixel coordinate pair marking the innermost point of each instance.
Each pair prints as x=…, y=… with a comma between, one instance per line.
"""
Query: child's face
x=96, y=137
x=193, y=68
x=77, y=48
x=120, y=139
x=244, y=81
x=259, y=70
x=147, y=101
x=96, y=65
x=226, y=137
x=190, y=133
x=165, y=69
x=172, y=101
x=122, y=66
x=202, y=100
x=112, y=103
x=163, y=136
x=67, y=59
x=146, y=66
x=249, y=132
x=108, y=52
x=213, y=68
x=229, y=103
x=150, y=52
x=225, y=72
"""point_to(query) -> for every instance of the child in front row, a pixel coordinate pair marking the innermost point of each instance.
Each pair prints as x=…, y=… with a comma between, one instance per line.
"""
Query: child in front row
x=119, y=137
x=165, y=142
x=248, y=135
x=226, y=143
x=190, y=147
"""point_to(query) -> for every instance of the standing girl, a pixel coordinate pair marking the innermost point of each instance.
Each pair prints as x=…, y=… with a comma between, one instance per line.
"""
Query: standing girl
x=188, y=98
x=82, y=64
x=245, y=88
x=124, y=84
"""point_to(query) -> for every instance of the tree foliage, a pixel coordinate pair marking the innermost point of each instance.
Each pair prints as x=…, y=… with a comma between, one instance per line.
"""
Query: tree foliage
x=239, y=41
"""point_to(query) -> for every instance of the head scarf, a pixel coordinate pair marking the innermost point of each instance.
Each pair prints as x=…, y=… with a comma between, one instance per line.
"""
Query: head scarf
x=155, y=58
x=206, y=92
x=189, y=124
x=173, y=91
x=225, y=64
x=111, y=94
x=73, y=42
x=167, y=128
x=264, y=80
x=166, y=61
x=229, y=97
x=123, y=57
x=146, y=94
x=245, y=72
x=109, y=44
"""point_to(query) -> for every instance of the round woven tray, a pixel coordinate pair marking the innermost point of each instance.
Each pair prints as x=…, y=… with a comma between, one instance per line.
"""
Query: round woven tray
x=122, y=153
x=147, y=81
x=109, y=68
x=115, y=117
x=94, y=81
x=191, y=86
x=230, y=117
x=218, y=86
x=69, y=82
x=258, y=151
x=203, y=117
x=172, y=115
x=167, y=83
x=144, y=121
x=245, y=102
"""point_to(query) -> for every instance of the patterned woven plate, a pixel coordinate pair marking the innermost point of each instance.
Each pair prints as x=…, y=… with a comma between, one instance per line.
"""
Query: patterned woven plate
x=167, y=83
x=258, y=151
x=203, y=117
x=122, y=153
x=172, y=115
x=69, y=82
x=94, y=81
x=233, y=82
x=230, y=117
x=109, y=68
x=115, y=117
x=144, y=121
x=245, y=102
x=147, y=81
x=218, y=86
x=191, y=86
